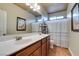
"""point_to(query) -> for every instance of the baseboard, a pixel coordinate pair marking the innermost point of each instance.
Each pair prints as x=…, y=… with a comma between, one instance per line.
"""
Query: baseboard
x=70, y=52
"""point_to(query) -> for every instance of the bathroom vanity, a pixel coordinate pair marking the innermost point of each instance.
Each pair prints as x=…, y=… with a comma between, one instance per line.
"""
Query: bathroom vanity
x=39, y=48
x=36, y=45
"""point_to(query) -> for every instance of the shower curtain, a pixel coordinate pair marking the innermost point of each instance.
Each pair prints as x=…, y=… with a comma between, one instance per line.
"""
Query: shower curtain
x=58, y=30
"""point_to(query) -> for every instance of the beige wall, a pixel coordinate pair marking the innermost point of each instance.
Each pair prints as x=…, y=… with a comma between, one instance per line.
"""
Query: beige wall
x=74, y=36
x=13, y=12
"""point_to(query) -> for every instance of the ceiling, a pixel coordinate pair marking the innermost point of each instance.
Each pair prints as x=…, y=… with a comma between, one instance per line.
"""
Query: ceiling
x=48, y=7
x=54, y=7
x=27, y=8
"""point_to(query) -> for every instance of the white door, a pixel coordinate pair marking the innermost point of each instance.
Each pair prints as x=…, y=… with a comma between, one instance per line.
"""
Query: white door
x=3, y=22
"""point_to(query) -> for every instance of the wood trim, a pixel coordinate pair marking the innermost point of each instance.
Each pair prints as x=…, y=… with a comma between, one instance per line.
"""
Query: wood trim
x=70, y=52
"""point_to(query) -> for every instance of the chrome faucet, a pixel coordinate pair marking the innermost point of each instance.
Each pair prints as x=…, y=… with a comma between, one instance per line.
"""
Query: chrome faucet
x=18, y=38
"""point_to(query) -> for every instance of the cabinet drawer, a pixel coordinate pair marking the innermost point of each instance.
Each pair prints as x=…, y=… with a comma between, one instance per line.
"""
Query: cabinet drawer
x=37, y=52
x=43, y=40
x=27, y=51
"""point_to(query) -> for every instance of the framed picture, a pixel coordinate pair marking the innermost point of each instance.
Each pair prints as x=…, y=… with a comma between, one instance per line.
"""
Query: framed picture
x=21, y=24
x=75, y=17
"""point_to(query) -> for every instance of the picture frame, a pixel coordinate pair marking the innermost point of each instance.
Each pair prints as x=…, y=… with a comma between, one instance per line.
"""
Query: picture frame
x=75, y=18
x=21, y=24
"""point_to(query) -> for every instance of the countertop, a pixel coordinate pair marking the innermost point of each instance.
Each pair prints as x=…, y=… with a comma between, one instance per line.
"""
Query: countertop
x=10, y=46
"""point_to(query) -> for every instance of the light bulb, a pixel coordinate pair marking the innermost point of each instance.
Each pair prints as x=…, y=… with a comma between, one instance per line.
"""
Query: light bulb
x=27, y=4
x=31, y=7
x=35, y=4
x=34, y=9
x=38, y=7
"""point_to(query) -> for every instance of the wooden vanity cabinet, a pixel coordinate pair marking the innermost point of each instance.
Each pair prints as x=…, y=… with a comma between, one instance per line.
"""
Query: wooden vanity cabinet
x=48, y=44
x=37, y=52
x=29, y=50
x=44, y=50
x=40, y=48
x=44, y=47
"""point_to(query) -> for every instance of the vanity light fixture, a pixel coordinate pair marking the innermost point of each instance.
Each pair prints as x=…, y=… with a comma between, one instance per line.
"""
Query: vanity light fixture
x=28, y=4
x=38, y=7
x=33, y=6
x=34, y=9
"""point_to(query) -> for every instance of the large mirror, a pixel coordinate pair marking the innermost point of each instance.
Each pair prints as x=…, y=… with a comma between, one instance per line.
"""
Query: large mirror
x=75, y=18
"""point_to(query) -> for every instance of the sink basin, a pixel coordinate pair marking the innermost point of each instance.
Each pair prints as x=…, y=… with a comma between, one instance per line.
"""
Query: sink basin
x=22, y=41
x=14, y=41
x=26, y=40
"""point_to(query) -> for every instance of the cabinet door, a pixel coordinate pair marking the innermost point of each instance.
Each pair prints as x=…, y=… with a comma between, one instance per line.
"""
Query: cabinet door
x=37, y=52
x=29, y=50
x=48, y=45
x=44, y=49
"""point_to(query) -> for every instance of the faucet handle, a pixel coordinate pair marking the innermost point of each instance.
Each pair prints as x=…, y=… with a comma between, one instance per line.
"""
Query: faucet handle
x=18, y=37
